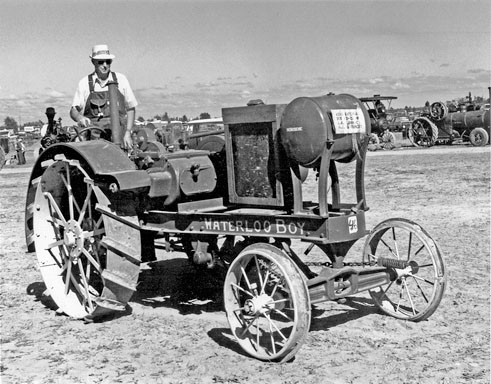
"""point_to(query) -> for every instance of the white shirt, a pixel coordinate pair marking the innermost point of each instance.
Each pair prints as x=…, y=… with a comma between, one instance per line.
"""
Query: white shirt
x=83, y=90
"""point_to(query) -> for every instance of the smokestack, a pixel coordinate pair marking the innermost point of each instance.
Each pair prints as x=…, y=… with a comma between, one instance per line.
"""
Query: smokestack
x=114, y=112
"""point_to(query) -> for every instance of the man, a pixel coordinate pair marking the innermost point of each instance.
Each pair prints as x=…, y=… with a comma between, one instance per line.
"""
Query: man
x=21, y=149
x=90, y=104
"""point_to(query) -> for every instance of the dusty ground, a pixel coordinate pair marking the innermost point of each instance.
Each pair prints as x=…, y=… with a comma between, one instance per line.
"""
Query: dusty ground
x=175, y=334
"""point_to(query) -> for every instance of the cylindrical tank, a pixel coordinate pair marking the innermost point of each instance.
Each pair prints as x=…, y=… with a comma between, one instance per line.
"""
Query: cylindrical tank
x=469, y=120
x=308, y=124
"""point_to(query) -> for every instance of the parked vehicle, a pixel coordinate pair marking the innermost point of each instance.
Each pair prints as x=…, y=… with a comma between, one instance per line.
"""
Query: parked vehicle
x=381, y=134
x=441, y=124
x=207, y=134
x=173, y=135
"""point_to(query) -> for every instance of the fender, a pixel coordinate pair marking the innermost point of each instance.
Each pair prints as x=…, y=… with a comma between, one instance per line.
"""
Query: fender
x=102, y=159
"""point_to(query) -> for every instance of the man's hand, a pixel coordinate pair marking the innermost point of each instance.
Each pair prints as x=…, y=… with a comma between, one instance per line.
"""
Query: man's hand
x=127, y=140
x=83, y=122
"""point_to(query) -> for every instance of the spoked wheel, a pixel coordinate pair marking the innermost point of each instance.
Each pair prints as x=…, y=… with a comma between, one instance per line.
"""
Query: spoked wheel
x=267, y=303
x=422, y=133
x=67, y=232
x=388, y=140
x=417, y=266
x=374, y=139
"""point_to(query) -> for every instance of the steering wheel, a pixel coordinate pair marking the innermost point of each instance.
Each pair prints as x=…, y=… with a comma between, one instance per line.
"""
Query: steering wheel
x=81, y=135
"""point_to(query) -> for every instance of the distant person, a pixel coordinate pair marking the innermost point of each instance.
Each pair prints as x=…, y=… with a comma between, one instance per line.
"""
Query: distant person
x=90, y=104
x=50, y=136
x=21, y=149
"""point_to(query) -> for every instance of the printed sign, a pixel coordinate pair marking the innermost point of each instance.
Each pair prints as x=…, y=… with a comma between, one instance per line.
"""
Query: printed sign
x=273, y=226
x=348, y=121
x=352, y=224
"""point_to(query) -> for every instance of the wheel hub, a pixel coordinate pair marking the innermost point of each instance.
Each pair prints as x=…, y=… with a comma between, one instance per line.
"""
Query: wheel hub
x=73, y=239
x=261, y=305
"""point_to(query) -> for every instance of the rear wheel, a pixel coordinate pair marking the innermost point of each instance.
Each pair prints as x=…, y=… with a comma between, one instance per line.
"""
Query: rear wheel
x=68, y=231
x=418, y=269
x=267, y=303
x=89, y=263
x=422, y=133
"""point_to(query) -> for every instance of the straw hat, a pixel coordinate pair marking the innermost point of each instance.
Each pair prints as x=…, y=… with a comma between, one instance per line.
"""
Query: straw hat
x=101, y=52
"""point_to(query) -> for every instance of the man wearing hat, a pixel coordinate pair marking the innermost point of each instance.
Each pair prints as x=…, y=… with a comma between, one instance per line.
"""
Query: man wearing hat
x=91, y=105
x=21, y=149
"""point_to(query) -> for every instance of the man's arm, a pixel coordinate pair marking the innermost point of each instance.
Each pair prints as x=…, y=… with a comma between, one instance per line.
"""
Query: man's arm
x=78, y=117
x=127, y=141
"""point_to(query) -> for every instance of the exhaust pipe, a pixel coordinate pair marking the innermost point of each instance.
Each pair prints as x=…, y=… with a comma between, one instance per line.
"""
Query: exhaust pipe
x=114, y=112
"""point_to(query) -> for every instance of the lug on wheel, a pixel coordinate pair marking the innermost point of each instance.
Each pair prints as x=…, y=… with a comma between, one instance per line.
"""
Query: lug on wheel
x=67, y=233
x=267, y=303
x=419, y=279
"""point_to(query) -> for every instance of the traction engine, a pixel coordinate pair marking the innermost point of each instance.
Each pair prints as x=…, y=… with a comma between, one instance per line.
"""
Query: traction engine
x=440, y=123
x=94, y=212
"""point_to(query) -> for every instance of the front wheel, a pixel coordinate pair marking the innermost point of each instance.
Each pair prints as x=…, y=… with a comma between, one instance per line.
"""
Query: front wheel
x=267, y=303
x=478, y=137
x=388, y=140
x=417, y=267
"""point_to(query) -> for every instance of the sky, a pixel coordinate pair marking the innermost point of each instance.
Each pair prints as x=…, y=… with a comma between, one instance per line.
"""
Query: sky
x=189, y=57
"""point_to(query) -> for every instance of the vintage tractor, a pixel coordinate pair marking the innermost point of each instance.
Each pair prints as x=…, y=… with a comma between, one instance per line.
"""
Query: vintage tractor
x=94, y=213
x=4, y=150
x=469, y=123
x=380, y=134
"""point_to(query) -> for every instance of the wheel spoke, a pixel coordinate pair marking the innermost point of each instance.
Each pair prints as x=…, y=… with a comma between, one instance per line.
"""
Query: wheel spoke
x=420, y=289
x=271, y=335
x=54, y=205
x=85, y=205
x=70, y=192
x=266, y=279
x=244, y=331
x=85, y=286
x=244, y=274
x=281, y=313
x=68, y=276
x=422, y=279
x=55, y=244
x=259, y=272
x=242, y=289
x=395, y=242
x=275, y=327
x=409, y=296
x=389, y=248
x=419, y=250
x=92, y=261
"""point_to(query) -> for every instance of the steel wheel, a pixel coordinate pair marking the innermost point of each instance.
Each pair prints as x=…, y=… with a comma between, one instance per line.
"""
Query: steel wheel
x=419, y=273
x=67, y=235
x=267, y=303
x=422, y=133
x=374, y=139
x=388, y=140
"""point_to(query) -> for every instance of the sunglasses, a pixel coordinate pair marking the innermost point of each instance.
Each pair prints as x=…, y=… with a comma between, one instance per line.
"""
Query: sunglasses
x=101, y=62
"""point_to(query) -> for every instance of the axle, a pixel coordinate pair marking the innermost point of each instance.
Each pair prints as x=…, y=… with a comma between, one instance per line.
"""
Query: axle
x=332, y=284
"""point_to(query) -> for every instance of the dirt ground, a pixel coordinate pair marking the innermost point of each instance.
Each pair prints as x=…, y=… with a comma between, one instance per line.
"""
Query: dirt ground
x=176, y=331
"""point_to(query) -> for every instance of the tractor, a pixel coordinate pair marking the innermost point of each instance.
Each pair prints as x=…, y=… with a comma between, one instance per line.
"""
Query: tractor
x=95, y=212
